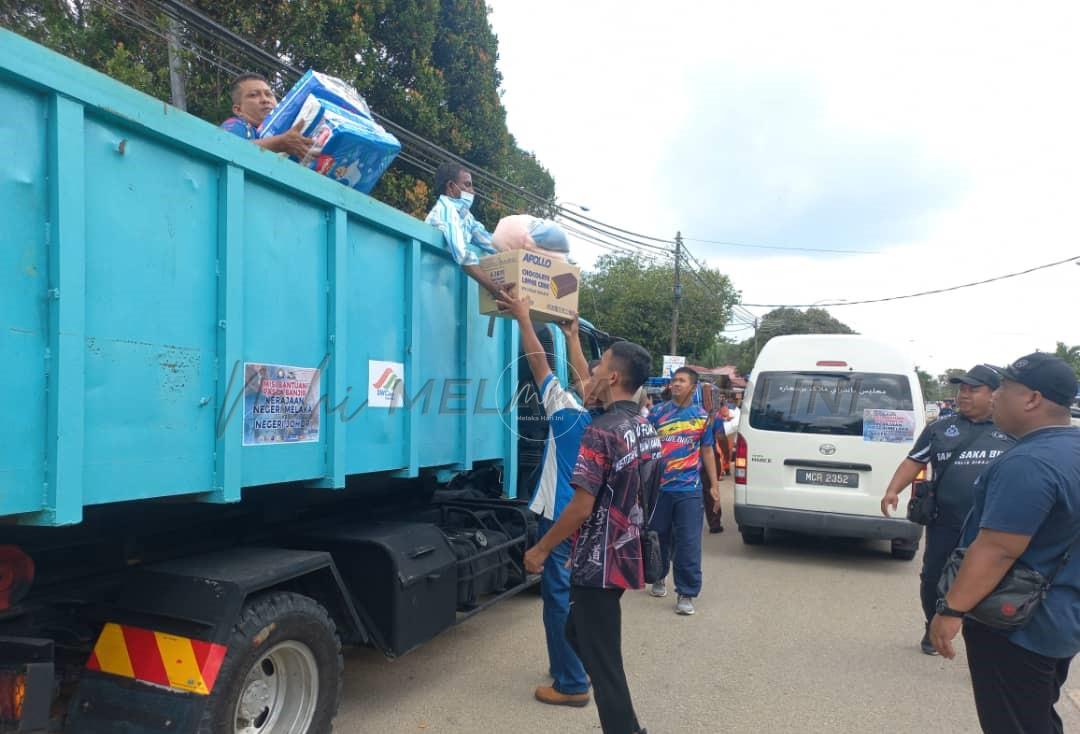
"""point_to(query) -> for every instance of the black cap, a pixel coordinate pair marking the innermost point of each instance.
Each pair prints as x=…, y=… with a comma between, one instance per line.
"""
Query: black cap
x=1050, y=375
x=978, y=376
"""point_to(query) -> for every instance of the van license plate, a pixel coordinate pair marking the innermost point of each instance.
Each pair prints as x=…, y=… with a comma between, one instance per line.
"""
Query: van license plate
x=827, y=478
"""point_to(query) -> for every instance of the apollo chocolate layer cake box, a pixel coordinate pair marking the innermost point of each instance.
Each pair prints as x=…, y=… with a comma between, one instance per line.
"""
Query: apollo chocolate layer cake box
x=550, y=284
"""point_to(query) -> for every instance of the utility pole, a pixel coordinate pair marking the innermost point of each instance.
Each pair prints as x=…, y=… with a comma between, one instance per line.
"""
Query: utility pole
x=678, y=294
x=755, y=338
x=176, y=73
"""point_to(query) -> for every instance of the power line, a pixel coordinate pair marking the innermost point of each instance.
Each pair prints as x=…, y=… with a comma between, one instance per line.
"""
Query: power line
x=406, y=155
x=417, y=151
x=728, y=243
x=416, y=145
x=613, y=247
x=147, y=27
x=935, y=291
x=622, y=243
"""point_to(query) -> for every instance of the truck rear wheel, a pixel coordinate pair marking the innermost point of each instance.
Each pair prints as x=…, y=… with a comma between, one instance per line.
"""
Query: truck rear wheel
x=282, y=673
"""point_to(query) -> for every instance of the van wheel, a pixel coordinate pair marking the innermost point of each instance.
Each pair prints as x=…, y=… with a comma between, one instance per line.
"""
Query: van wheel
x=282, y=673
x=752, y=536
x=904, y=551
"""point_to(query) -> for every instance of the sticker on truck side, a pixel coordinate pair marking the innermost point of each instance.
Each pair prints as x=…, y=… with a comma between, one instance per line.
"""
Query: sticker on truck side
x=281, y=404
x=386, y=384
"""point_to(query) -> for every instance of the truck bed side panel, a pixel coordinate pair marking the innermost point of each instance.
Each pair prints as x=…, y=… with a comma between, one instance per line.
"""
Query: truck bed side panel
x=147, y=255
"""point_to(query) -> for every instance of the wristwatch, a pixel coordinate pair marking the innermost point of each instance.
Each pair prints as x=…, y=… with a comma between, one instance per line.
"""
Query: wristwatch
x=946, y=611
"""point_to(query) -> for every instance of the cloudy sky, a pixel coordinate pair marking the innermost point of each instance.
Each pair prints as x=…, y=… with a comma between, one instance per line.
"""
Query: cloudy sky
x=935, y=144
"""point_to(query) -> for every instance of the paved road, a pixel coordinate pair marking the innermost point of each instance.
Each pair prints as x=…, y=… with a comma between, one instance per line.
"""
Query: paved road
x=800, y=635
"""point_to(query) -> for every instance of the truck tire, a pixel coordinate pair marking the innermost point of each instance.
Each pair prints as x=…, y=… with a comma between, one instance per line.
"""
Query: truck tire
x=280, y=639
x=752, y=536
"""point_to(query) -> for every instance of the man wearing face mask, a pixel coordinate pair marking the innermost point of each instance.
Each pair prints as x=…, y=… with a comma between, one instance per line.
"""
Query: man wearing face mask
x=466, y=239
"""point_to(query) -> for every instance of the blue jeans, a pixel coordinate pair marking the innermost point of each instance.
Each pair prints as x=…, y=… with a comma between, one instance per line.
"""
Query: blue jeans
x=566, y=667
x=677, y=518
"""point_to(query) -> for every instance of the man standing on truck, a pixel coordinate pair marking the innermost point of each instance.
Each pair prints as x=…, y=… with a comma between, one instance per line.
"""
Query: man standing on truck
x=687, y=440
x=958, y=448
x=606, y=515
x=466, y=239
x=252, y=101
x=567, y=420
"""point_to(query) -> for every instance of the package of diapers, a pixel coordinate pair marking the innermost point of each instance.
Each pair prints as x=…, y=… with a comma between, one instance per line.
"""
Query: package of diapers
x=351, y=149
x=312, y=84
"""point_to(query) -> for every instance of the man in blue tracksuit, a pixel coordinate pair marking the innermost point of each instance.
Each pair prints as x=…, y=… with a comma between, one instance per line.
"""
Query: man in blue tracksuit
x=567, y=420
x=686, y=440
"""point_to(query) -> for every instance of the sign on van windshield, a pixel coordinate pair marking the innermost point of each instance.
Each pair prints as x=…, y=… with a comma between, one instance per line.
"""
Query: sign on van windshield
x=829, y=403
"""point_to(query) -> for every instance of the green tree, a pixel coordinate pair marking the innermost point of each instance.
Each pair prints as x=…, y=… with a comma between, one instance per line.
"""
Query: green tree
x=633, y=299
x=931, y=386
x=944, y=389
x=429, y=65
x=720, y=354
x=780, y=322
x=1070, y=355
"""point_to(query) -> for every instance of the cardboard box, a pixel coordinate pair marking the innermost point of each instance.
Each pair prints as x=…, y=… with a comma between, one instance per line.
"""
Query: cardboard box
x=552, y=285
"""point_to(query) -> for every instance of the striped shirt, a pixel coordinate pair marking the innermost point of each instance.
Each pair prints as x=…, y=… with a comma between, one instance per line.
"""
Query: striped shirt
x=465, y=238
x=567, y=420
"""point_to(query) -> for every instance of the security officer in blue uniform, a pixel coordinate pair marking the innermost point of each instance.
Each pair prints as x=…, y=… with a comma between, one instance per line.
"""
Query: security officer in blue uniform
x=958, y=448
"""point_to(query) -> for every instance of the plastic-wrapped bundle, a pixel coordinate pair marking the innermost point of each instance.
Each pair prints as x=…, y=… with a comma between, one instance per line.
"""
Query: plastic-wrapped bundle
x=524, y=232
x=512, y=233
x=348, y=148
x=312, y=84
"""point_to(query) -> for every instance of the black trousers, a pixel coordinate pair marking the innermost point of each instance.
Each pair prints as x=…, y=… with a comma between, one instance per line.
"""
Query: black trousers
x=940, y=542
x=594, y=630
x=1015, y=689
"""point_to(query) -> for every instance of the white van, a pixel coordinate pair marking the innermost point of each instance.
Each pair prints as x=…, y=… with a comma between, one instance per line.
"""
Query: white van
x=826, y=420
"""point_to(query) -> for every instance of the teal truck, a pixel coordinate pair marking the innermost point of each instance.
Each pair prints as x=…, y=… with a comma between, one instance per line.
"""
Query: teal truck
x=253, y=416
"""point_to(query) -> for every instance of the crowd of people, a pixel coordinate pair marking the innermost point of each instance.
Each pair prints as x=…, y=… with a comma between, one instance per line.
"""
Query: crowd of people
x=1004, y=465
x=600, y=452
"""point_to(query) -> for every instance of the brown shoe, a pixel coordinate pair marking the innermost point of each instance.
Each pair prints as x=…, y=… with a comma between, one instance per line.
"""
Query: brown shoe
x=548, y=694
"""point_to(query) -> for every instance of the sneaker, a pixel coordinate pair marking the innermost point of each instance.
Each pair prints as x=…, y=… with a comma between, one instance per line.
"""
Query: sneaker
x=717, y=529
x=659, y=589
x=685, y=605
x=548, y=695
x=927, y=646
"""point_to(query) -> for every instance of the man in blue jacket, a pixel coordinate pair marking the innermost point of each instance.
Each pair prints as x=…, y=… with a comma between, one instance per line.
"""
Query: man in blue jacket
x=1027, y=510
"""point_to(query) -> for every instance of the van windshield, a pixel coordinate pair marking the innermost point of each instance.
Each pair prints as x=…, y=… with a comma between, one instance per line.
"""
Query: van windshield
x=824, y=402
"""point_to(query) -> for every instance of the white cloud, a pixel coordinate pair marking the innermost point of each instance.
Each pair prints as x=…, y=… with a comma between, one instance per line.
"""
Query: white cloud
x=944, y=136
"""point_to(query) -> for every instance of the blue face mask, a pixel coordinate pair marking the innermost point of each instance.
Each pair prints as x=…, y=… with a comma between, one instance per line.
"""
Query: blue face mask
x=463, y=202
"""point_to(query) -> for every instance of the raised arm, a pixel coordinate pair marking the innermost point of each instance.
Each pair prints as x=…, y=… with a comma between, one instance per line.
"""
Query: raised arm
x=578, y=364
x=530, y=343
